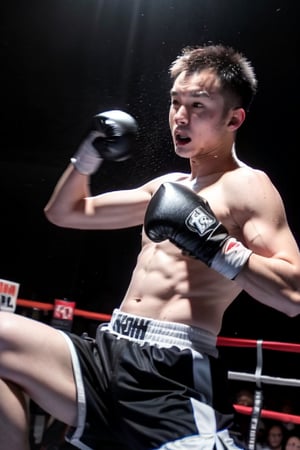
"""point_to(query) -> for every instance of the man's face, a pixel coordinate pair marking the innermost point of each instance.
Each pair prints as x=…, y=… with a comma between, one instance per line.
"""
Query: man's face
x=196, y=115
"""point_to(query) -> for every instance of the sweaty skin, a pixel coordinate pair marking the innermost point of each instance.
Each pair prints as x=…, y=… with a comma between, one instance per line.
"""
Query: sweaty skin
x=165, y=284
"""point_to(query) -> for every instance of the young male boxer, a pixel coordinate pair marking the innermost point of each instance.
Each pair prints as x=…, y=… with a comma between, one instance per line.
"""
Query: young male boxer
x=151, y=378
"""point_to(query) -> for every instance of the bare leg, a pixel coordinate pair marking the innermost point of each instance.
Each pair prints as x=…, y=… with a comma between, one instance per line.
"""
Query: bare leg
x=35, y=357
x=14, y=418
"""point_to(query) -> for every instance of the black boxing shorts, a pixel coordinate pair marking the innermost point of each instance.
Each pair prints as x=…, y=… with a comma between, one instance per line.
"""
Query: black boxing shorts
x=146, y=384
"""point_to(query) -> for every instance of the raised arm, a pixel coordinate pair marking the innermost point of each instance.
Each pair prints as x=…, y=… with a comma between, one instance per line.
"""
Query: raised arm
x=71, y=204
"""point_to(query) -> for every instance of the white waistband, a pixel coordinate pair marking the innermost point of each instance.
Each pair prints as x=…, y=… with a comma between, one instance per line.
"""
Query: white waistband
x=165, y=334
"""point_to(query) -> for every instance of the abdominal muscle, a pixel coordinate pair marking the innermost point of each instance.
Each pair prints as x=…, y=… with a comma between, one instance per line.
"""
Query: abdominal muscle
x=168, y=286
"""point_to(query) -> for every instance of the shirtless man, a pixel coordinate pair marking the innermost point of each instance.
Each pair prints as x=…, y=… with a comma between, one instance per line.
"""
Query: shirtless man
x=151, y=379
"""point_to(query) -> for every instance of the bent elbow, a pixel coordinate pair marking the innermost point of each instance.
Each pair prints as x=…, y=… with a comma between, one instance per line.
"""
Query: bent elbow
x=54, y=217
x=293, y=308
x=292, y=312
x=292, y=293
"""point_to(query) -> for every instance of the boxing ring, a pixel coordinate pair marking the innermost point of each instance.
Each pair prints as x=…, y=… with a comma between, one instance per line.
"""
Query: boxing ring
x=255, y=413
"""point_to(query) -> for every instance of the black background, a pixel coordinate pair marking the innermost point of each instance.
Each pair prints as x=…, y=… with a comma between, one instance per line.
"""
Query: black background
x=63, y=61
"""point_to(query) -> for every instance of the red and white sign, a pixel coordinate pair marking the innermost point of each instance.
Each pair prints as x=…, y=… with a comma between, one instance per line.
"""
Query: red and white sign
x=8, y=295
x=63, y=309
x=63, y=314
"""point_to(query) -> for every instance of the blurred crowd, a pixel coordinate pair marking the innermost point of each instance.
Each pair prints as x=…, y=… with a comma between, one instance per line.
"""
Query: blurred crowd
x=270, y=434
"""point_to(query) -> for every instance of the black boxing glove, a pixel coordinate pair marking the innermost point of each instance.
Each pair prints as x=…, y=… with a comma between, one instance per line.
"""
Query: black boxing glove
x=186, y=219
x=111, y=137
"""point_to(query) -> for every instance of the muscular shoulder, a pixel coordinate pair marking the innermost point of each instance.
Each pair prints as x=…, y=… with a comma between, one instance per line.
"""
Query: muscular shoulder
x=154, y=184
x=249, y=188
x=246, y=175
x=256, y=207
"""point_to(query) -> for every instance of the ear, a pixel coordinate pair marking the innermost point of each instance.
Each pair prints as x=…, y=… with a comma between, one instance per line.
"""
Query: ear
x=236, y=118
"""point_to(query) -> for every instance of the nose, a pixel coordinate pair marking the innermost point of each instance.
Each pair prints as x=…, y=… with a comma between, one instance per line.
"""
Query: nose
x=181, y=115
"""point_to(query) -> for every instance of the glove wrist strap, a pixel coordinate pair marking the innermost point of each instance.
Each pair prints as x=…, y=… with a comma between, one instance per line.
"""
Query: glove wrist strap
x=230, y=260
x=86, y=160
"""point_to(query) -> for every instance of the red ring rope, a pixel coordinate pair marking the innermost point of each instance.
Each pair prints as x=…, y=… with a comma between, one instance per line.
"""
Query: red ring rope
x=267, y=345
x=221, y=341
x=50, y=306
x=267, y=414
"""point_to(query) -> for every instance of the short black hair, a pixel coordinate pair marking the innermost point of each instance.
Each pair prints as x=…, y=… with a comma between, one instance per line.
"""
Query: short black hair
x=234, y=71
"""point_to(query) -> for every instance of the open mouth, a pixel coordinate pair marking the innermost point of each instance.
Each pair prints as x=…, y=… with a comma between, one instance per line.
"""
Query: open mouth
x=181, y=139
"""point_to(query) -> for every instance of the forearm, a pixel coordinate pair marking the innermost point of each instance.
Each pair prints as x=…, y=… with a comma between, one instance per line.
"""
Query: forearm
x=109, y=138
x=272, y=281
x=68, y=198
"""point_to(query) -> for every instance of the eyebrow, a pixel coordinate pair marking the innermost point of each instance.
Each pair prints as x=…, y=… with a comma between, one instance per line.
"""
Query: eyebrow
x=193, y=94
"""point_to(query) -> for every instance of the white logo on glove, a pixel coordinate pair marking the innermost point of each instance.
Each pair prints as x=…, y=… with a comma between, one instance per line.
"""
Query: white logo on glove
x=199, y=221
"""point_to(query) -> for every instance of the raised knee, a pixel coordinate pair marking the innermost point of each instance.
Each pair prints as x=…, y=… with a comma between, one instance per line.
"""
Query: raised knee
x=8, y=328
